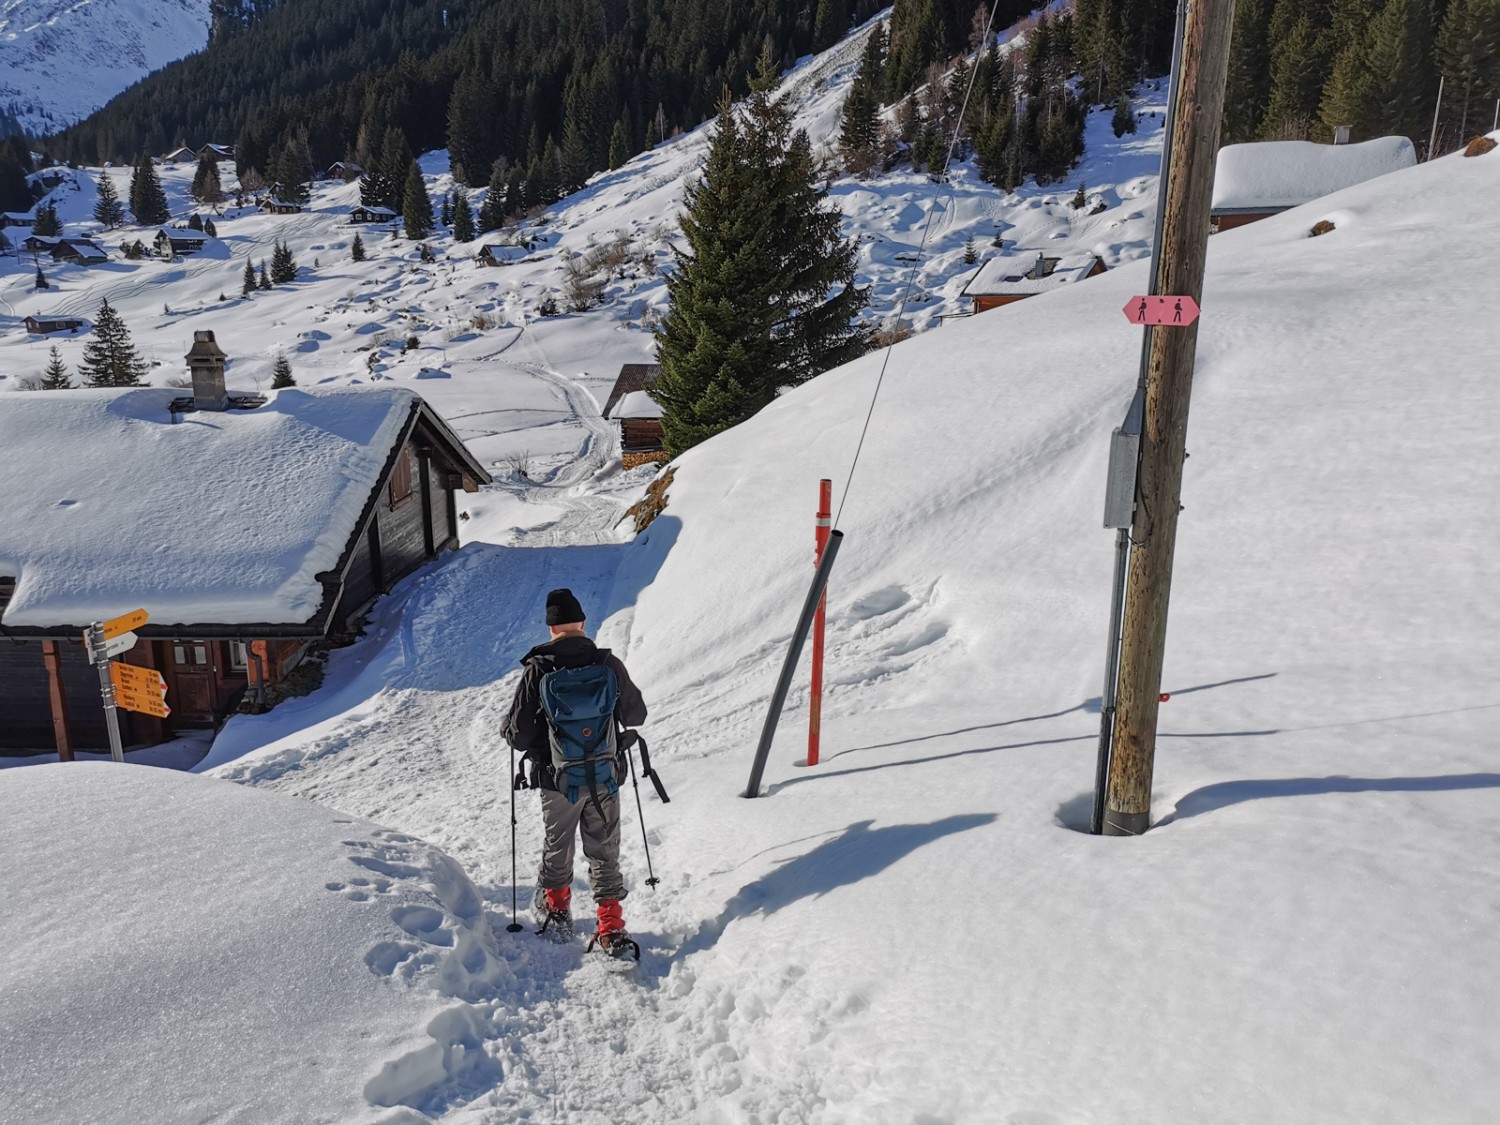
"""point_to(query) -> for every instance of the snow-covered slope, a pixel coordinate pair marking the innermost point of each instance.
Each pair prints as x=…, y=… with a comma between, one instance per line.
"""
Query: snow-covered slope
x=61, y=59
x=179, y=949
x=917, y=929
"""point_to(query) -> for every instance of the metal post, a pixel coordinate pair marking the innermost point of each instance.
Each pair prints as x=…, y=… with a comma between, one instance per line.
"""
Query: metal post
x=799, y=635
x=815, y=704
x=106, y=691
x=1111, y=677
x=1437, y=109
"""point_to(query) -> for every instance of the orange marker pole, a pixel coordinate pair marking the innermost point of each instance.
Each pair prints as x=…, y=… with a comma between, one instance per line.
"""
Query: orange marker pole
x=815, y=707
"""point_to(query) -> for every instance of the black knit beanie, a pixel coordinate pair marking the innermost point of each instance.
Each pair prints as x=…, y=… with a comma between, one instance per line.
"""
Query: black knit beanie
x=563, y=608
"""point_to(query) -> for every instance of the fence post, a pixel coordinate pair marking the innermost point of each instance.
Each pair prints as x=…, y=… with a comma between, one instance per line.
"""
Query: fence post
x=815, y=706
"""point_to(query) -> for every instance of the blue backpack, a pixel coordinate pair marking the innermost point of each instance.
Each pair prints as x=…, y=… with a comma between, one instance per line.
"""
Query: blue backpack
x=580, y=707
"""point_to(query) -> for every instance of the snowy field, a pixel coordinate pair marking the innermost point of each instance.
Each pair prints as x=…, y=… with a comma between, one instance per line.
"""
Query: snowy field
x=915, y=931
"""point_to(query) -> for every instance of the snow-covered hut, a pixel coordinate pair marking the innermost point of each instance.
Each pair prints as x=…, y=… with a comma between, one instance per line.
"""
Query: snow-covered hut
x=373, y=215
x=500, y=254
x=171, y=242
x=217, y=153
x=247, y=527
x=345, y=170
x=1263, y=178
x=17, y=219
x=79, y=251
x=183, y=155
x=1006, y=278
x=630, y=403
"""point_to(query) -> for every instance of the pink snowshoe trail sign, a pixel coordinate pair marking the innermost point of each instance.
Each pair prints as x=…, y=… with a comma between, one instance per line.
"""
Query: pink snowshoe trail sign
x=1174, y=312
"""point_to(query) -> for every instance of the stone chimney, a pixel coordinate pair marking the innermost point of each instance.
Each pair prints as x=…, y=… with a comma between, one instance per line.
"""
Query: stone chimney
x=1039, y=270
x=206, y=362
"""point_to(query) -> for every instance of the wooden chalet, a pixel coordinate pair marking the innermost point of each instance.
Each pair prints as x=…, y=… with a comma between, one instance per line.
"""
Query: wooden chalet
x=183, y=155
x=40, y=243
x=9, y=219
x=1005, y=278
x=79, y=251
x=42, y=325
x=171, y=243
x=1257, y=180
x=279, y=207
x=630, y=403
x=217, y=153
x=345, y=170
x=260, y=527
x=373, y=215
x=500, y=254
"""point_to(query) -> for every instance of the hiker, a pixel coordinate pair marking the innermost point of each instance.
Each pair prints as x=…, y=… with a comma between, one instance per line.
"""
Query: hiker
x=576, y=797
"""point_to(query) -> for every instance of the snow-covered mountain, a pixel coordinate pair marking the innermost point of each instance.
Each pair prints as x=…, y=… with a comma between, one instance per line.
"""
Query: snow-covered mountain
x=62, y=59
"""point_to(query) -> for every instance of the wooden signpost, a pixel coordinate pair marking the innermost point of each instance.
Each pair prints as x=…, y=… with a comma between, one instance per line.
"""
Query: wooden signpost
x=123, y=685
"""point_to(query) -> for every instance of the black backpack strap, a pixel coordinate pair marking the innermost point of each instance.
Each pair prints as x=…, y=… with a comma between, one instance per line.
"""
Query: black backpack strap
x=629, y=738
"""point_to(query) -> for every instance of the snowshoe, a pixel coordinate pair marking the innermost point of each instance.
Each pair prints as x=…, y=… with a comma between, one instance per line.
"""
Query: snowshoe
x=618, y=950
x=556, y=917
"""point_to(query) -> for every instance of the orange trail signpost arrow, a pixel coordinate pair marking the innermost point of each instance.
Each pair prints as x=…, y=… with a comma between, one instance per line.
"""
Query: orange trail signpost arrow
x=124, y=623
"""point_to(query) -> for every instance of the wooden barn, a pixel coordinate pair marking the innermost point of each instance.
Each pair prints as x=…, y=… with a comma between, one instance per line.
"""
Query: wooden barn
x=183, y=155
x=217, y=153
x=279, y=207
x=1005, y=279
x=345, y=170
x=1257, y=180
x=630, y=403
x=10, y=219
x=373, y=215
x=170, y=243
x=249, y=528
x=79, y=251
x=42, y=325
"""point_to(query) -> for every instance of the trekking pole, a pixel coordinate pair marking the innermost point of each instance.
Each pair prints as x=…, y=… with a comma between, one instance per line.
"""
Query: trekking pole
x=651, y=879
x=515, y=926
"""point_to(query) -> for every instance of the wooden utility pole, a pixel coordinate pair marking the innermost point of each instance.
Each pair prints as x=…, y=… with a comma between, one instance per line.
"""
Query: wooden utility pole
x=62, y=733
x=1186, y=198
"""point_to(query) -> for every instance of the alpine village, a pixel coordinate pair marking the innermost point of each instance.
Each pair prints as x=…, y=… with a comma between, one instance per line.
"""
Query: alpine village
x=679, y=562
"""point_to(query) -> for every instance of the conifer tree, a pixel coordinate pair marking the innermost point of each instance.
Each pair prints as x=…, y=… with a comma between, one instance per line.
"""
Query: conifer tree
x=971, y=253
x=463, y=216
x=206, y=186
x=148, y=203
x=445, y=211
x=492, y=210
x=47, y=223
x=209, y=228
x=1349, y=96
x=1397, y=48
x=357, y=248
x=1123, y=120
x=283, y=264
x=1468, y=55
x=416, y=208
x=196, y=222
x=108, y=210
x=281, y=373
x=109, y=358
x=1298, y=72
x=41, y=278
x=1249, y=81
x=763, y=296
x=265, y=278
x=619, y=145
x=859, y=127
x=830, y=23
x=247, y=283
x=55, y=377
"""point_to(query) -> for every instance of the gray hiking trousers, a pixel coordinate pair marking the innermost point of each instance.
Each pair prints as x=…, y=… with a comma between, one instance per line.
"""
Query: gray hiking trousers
x=601, y=843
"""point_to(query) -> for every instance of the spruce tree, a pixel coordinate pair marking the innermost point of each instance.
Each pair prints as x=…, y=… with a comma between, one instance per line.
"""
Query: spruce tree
x=357, y=248
x=1298, y=71
x=1349, y=96
x=206, y=185
x=763, y=295
x=463, y=216
x=492, y=210
x=1468, y=55
x=416, y=208
x=148, y=203
x=283, y=265
x=830, y=23
x=281, y=373
x=1249, y=82
x=41, y=278
x=109, y=358
x=108, y=210
x=445, y=211
x=47, y=224
x=247, y=282
x=619, y=145
x=196, y=222
x=209, y=228
x=1123, y=120
x=265, y=278
x=55, y=377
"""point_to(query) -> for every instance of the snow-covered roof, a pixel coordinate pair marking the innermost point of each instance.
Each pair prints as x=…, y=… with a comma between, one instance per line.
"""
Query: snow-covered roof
x=1010, y=274
x=177, y=154
x=184, y=234
x=218, y=517
x=19, y=216
x=638, y=404
x=1276, y=175
x=504, y=251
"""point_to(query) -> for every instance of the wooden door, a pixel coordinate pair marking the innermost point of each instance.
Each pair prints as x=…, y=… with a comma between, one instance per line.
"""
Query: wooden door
x=194, y=700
